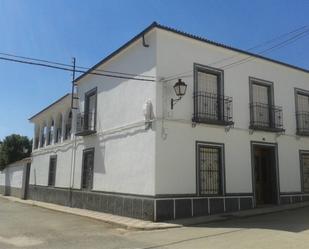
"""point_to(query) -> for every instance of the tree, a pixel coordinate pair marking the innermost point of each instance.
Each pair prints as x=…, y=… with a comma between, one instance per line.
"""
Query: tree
x=14, y=148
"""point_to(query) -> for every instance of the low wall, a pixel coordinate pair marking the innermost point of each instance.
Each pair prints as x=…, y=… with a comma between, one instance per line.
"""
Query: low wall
x=13, y=179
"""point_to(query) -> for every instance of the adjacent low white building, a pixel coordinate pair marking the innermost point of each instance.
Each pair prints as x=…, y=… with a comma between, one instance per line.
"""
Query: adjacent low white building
x=14, y=179
x=236, y=139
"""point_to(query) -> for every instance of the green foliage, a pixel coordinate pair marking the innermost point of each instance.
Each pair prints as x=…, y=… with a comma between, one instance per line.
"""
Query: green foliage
x=14, y=148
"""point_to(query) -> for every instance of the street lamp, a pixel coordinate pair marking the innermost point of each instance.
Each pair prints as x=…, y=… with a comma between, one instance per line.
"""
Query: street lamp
x=180, y=89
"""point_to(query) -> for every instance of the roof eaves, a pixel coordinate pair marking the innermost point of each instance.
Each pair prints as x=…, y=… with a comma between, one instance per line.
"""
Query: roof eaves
x=46, y=108
x=127, y=44
x=195, y=37
x=228, y=47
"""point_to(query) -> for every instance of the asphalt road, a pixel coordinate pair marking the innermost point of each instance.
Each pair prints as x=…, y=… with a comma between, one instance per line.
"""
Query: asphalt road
x=24, y=226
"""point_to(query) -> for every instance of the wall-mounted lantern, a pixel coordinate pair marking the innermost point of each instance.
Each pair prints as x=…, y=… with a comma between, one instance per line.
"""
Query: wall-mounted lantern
x=180, y=89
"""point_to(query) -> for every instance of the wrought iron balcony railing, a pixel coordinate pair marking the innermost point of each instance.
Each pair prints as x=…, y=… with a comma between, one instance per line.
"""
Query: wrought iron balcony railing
x=266, y=117
x=302, y=121
x=212, y=108
x=86, y=123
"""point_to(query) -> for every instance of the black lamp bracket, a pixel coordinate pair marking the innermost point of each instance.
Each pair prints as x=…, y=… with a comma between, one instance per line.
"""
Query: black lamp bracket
x=174, y=101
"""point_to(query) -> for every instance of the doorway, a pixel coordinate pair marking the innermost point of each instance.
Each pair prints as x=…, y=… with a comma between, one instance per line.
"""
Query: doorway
x=87, y=172
x=265, y=174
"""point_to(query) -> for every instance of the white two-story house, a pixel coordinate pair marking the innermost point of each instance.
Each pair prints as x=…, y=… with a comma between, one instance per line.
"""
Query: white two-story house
x=235, y=137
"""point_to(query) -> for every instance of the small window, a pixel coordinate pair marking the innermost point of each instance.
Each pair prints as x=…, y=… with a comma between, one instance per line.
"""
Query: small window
x=88, y=164
x=210, y=169
x=302, y=111
x=52, y=170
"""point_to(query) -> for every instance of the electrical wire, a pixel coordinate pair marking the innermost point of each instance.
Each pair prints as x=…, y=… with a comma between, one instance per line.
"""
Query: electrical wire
x=185, y=74
x=122, y=75
x=71, y=66
x=77, y=70
x=280, y=45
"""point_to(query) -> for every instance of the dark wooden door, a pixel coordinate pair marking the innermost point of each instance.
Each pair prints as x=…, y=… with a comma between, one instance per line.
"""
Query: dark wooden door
x=265, y=176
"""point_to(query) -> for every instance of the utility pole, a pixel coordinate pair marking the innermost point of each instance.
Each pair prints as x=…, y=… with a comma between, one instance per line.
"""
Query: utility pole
x=74, y=97
x=73, y=86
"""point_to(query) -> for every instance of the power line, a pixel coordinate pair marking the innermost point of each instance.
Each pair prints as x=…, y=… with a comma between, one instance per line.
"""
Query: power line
x=279, y=45
x=71, y=69
x=185, y=74
x=261, y=44
x=70, y=66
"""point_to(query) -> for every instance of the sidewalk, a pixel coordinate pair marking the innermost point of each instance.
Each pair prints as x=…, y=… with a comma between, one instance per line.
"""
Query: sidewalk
x=125, y=222
x=131, y=223
x=240, y=214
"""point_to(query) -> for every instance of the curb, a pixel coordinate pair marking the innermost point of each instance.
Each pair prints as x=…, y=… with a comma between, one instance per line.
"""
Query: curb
x=136, y=224
x=239, y=214
x=124, y=222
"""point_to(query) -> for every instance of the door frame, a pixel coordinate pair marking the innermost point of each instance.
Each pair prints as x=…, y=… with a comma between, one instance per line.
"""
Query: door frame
x=254, y=144
x=301, y=153
x=83, y=167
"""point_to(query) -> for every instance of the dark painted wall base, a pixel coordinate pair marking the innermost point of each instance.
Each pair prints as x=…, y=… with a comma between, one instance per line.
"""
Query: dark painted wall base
x=148, y=208
x=2, y=190
x=177, y=208
x=293, y=198
x=130, y=206
x=11, y=191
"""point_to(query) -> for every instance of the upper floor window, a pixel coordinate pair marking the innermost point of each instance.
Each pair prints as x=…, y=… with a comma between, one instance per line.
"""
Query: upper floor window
x=264, y=115
x=302, y=111
x=86, y=122
x=210, y=104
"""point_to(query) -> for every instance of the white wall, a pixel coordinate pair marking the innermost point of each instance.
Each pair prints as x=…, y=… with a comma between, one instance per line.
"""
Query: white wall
x=175, y=155
x=124, y=149
x=12, y=176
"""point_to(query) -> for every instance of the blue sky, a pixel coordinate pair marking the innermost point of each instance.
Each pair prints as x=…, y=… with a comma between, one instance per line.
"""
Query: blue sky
x=57, y=30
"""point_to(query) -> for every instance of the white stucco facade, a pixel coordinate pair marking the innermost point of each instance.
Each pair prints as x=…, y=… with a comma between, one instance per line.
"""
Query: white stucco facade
x=132, y=158
x=177, y=54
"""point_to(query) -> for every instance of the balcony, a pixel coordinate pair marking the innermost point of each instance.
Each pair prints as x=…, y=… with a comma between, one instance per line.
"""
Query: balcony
x=212, y=108
x=302, y=120
x=266, y=117
x=86, y=124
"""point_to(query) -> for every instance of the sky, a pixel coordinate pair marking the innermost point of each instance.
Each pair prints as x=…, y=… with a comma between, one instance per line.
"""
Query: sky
x=89, y=30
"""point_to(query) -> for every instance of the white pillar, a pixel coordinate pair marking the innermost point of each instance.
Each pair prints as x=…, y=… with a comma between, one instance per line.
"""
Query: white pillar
x=54, y=134
x=40, y=136
x=73, y=125
x=63, y=126
x=47, y=132
x=36, y=132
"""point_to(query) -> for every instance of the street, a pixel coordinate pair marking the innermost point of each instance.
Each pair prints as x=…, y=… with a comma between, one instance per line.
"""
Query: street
x=25, y=226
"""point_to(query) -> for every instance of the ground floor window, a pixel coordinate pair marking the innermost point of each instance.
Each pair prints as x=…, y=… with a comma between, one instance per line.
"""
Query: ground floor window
x=210, y=169
x=304, y=159
x=87, y=173
x=52, y=170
